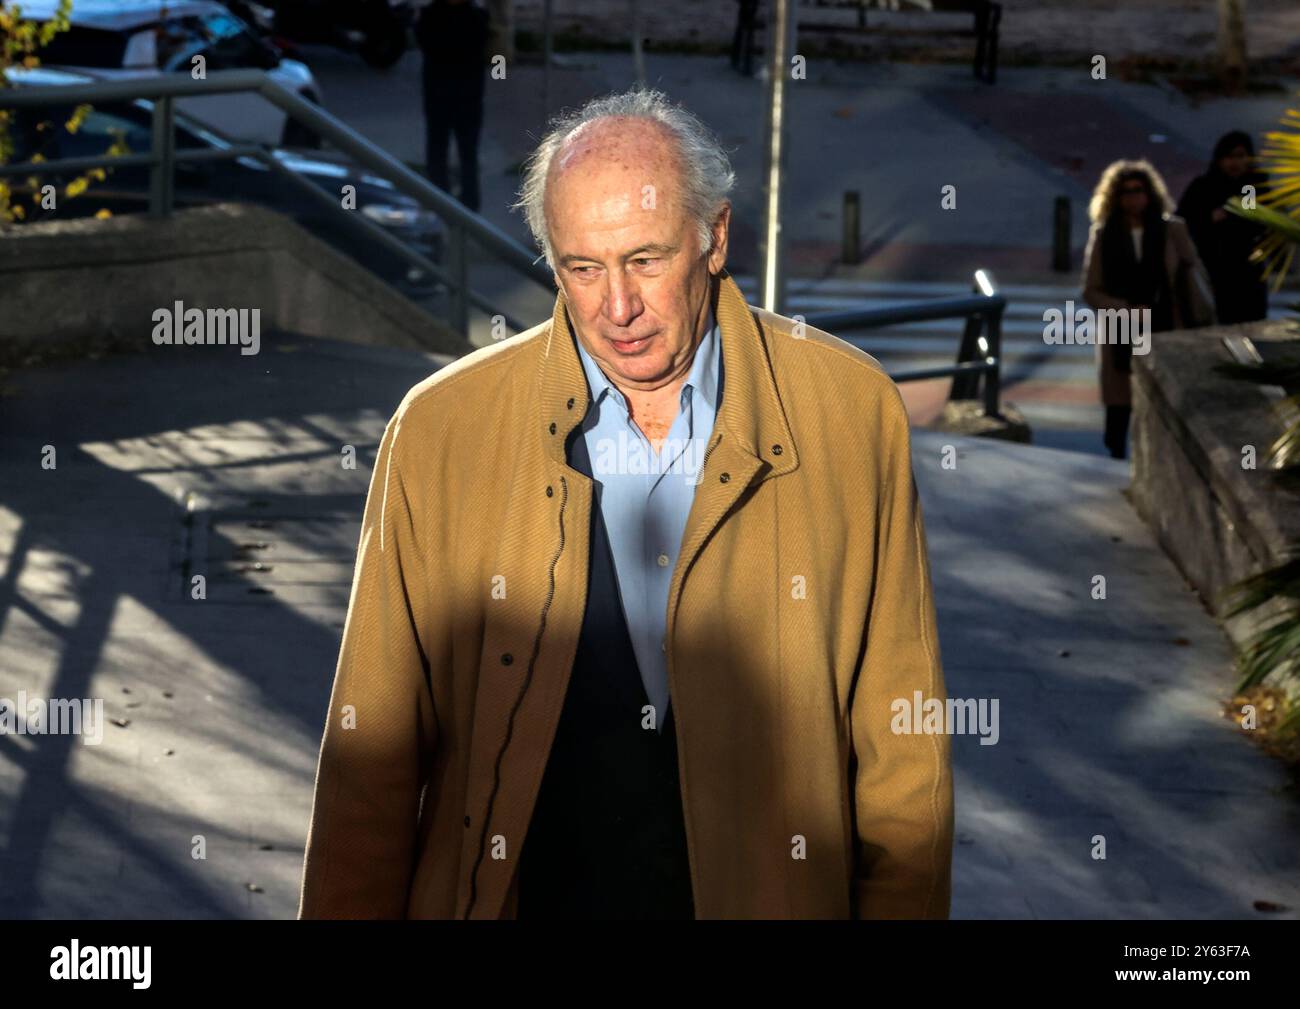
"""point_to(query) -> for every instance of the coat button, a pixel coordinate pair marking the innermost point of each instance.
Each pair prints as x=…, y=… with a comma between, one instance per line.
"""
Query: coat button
x=467, y=821
x=725, y=477
x=570, y=405
x=776, y=450
x=550, y=491
x=552, y=427
x=507, y=659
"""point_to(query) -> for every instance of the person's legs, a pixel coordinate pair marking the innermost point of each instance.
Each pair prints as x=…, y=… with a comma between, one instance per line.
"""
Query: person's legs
x=468, y=126
x=1239, y=296
x=1254, y=301
x=1116, y=436
x=737, y=36
x=749, y=15
x=437, y=136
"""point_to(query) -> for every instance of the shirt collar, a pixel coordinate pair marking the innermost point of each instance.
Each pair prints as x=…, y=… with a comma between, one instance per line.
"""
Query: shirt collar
x=704, y=369
x=596, y=379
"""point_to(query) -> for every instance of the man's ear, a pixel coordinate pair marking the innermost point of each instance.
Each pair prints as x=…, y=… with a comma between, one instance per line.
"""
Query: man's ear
x=721, y=227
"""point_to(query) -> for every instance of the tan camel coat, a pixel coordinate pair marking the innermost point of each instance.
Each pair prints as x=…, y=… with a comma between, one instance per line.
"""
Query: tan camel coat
x=800, y=610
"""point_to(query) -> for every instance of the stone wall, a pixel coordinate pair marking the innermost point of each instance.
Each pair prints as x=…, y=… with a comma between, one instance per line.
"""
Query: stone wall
x=1219, y=520
x=84, y=282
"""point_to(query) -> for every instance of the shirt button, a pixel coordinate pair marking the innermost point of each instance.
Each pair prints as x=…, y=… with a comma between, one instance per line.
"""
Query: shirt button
x=663, y=560
x=663, y=645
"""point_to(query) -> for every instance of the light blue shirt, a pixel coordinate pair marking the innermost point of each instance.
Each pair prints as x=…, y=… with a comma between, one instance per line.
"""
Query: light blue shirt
x=645, y=497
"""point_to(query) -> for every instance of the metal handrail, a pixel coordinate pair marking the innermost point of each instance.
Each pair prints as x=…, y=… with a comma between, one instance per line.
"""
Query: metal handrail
x=462, y=223
x=980, y=351
x=872, y=318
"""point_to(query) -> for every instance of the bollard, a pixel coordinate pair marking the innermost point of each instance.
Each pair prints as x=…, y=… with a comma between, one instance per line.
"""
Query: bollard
x=1061, y=235
x=850, y=252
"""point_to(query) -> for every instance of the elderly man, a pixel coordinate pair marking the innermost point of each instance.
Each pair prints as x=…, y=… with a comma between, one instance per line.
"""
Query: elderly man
x=637, y=593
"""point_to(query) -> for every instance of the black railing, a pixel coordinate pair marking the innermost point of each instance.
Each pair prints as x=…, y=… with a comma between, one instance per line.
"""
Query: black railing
x=162, y=91
x=979, y=354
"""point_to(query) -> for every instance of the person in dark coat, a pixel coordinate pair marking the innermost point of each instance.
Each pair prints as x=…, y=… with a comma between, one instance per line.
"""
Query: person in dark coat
x=1224, y=240
x=453, y=36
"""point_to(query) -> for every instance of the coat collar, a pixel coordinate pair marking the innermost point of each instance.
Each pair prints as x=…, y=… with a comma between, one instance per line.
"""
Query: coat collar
x=751, y=418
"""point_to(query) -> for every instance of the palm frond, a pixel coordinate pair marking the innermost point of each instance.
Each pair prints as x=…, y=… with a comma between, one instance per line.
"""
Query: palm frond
x=1283, y=580
x=1282, y=225
x=1275, y=649
x=1276, y=646
x=1285, y=452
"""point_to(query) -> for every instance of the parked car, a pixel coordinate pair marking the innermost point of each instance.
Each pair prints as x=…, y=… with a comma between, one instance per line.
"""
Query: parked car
x=136, y=38
x=378, y=29
x=41, y=131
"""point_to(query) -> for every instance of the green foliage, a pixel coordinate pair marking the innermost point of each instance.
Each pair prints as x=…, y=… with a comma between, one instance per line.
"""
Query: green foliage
x=1276, y=647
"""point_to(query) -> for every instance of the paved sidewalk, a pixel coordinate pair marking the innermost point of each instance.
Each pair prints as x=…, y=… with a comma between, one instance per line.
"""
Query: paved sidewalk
x=209, y=462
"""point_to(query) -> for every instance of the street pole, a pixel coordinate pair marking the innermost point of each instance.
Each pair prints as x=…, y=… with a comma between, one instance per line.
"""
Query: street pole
x=638, y=57
x=503, y=29
x=779, y=39
x=546, y=60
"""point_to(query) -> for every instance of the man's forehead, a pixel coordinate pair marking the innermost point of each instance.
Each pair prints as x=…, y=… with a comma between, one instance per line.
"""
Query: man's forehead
x=626, y=142
x=607, y=188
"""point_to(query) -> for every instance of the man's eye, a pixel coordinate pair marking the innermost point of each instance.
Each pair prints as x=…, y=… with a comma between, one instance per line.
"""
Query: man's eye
x=644, y=261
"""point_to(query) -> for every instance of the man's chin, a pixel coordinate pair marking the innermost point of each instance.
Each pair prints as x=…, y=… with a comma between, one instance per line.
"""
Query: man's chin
x=639, y=369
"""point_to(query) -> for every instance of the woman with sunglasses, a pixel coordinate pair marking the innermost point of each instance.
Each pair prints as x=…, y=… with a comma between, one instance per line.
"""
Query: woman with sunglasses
x=1139, y=257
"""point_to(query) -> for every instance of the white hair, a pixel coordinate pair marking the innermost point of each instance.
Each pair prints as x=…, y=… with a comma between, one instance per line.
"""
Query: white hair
x=708, y=176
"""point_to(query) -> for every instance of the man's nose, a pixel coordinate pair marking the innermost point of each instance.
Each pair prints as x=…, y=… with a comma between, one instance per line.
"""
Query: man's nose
x=622, y=301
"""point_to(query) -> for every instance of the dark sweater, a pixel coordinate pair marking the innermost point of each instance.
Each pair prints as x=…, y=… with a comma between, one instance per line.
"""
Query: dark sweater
x=607, y=838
